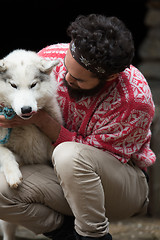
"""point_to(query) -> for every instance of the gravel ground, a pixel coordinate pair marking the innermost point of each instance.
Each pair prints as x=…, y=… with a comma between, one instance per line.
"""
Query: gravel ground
x=136, y=229
x=131, y=229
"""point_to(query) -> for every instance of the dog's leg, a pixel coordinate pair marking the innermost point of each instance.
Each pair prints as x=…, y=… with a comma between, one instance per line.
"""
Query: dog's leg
x=10, y=167
x=8, y=230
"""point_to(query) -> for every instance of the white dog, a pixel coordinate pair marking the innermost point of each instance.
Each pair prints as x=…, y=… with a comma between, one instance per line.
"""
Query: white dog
x=27, y=84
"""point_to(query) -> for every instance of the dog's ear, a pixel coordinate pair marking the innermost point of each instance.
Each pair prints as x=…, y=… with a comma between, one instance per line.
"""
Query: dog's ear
x=46, y=66
x=3, y=67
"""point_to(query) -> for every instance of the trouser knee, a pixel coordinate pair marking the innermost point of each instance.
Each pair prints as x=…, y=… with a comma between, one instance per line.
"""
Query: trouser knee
x=63, y=159
x=5, y=196
x=71, y=162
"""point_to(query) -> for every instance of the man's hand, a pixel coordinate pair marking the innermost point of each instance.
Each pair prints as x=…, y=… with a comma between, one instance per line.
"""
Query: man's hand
x=14, y=122
x=41, y=119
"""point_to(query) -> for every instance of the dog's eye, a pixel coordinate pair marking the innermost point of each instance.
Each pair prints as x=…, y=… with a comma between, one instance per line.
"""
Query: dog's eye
x=33, y=84
x=13, y=85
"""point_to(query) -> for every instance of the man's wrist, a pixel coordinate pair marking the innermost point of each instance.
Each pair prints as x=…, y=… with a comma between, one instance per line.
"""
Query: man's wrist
x=39, y=119
x=48, y=125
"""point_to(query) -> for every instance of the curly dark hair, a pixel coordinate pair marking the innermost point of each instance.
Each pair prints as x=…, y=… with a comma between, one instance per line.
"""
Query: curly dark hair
x=104, y=40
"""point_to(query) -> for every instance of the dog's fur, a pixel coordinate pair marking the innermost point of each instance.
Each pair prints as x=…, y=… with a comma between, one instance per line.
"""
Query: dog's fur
x=26, y=85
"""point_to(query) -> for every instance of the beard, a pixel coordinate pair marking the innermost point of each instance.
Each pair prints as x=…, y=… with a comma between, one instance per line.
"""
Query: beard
x=78, y=94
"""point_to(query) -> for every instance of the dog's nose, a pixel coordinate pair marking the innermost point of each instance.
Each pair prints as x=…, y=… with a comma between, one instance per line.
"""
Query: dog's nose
x=26, y=109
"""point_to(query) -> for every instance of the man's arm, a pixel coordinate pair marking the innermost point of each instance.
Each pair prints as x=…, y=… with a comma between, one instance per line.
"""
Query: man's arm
x=48, y=125
x=121, y=138
x=42, y=120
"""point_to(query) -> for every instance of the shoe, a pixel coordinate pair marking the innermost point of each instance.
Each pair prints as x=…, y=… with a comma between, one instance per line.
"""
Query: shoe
x=105, y=237
x=66, y=231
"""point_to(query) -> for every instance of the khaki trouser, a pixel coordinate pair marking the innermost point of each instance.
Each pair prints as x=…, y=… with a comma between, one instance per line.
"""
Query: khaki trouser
x=97, y=187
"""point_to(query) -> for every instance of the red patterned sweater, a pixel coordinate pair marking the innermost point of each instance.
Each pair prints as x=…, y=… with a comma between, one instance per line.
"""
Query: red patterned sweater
x=116, y=120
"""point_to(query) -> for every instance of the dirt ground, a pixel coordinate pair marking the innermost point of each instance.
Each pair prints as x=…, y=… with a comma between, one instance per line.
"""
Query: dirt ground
x=131, y=229
x=136, y=229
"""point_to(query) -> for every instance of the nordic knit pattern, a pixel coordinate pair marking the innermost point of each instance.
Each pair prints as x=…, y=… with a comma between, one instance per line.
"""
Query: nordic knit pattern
x=117, y=119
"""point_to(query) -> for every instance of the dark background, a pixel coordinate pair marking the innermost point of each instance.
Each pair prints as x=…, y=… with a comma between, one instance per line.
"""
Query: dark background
x=34, y=24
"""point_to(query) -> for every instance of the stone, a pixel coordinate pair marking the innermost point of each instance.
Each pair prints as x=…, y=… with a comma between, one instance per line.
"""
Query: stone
x=150, y=69
x=150, y=48
x=153, y=3
x=153, y=17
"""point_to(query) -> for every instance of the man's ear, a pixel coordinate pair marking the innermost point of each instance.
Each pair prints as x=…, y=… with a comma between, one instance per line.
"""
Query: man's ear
x=46, y=66
x=112, y=77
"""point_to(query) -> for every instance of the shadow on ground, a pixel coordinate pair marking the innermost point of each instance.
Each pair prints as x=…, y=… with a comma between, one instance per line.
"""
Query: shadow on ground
x=131, y=229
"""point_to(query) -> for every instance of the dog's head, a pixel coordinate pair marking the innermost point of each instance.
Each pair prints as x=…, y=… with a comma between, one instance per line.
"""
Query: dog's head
x=25, y=82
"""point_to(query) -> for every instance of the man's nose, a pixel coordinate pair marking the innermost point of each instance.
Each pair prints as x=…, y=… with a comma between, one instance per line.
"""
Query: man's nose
x=70, y=79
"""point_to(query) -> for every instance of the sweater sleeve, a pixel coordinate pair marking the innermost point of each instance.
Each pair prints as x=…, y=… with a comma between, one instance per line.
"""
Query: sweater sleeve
x=125, y=136
x=65, y=136
x=54, y=51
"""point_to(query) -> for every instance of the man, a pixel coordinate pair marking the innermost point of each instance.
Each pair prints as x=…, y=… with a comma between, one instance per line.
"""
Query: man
x=102, y=152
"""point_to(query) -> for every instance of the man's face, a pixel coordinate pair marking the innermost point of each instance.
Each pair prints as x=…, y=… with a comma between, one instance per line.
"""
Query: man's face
x=77, y=77
x=79, y=81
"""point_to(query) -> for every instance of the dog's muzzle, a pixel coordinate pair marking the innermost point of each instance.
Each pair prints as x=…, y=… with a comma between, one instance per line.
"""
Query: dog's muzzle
x=26, y=112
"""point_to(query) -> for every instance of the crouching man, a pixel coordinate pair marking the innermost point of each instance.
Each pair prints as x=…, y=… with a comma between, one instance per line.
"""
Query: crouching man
x=103, y=150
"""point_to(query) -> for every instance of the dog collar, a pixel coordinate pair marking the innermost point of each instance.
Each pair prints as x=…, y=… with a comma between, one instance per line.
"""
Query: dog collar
x=9, y=113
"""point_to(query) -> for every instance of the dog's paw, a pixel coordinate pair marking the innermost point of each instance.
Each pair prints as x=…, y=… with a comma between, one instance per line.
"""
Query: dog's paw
x=14, y=179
